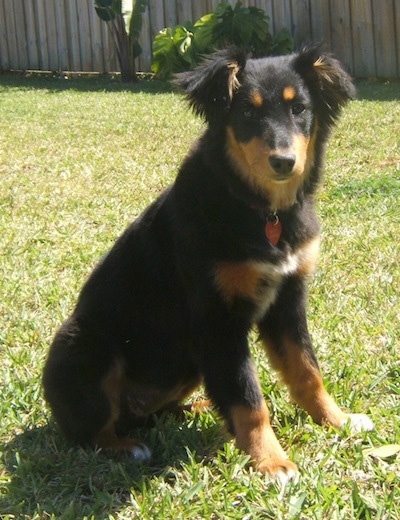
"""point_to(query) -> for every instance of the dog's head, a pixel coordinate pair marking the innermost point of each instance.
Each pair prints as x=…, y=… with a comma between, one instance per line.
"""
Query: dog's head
x=276, y=113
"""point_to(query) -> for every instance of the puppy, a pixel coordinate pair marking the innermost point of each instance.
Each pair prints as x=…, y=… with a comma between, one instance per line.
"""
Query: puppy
x=230, y=245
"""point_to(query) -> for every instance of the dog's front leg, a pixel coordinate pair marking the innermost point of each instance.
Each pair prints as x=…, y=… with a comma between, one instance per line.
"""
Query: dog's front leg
x=233, y=385
x=288, y=344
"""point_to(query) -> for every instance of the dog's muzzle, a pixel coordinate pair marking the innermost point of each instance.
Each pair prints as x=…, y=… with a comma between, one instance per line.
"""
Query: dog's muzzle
x=283, y=165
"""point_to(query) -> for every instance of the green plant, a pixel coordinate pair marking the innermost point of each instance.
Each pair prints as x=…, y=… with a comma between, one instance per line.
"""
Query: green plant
x=181, y=48
x=124, y=18
x=173, y=51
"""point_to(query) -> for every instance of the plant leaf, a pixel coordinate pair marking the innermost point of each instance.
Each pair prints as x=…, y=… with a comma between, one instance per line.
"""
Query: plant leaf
x=104, y=9
x=383, y=452
x=296, y=504
x=204, y=32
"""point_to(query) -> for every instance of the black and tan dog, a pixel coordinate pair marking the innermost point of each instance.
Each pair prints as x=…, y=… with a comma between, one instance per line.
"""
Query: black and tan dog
x=230, y=245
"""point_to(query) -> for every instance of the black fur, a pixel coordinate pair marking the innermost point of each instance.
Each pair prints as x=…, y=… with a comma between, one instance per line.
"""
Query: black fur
x=158, y=305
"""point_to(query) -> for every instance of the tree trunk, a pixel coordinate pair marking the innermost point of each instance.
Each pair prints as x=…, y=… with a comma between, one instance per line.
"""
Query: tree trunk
x=124, y=51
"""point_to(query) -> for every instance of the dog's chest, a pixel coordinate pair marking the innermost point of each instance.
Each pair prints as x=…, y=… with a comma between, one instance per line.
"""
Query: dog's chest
x=259, y=281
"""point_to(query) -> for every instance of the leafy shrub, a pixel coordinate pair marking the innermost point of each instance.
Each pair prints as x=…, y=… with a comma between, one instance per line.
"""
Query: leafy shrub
x=181, y=48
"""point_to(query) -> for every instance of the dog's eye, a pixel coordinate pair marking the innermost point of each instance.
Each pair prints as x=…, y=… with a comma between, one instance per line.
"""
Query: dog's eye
x=298, y=108
x=249, y=113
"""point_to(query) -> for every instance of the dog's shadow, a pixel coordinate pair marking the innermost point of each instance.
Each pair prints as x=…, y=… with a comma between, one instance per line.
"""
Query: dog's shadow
x=46, y=475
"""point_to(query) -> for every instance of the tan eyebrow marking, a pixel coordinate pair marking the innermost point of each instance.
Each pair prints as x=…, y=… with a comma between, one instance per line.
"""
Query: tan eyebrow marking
x=289, y=93
x=256, y=99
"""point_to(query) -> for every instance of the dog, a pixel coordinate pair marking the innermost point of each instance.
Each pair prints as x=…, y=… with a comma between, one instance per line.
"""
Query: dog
x=229, y=246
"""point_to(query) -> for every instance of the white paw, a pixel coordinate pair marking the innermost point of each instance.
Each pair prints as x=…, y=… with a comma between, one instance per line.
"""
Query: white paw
x=359, y=422
x=283, y=478
x=141, y=453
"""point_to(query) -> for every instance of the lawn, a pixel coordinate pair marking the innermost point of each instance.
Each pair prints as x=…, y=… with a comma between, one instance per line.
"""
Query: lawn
x=81, y=158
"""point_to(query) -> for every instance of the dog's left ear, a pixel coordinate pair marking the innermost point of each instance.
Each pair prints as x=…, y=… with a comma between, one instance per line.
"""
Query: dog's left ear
x=329, y=83
x=211, y=86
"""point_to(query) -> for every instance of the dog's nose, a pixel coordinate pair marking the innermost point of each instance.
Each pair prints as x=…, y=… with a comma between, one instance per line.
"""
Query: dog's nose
x=283, y=163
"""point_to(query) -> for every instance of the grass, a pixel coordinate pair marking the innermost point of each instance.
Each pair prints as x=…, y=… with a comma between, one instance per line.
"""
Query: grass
x=81, y=158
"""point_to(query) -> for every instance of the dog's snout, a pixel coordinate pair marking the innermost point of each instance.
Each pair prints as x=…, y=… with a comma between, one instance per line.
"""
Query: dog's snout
x=282, y=164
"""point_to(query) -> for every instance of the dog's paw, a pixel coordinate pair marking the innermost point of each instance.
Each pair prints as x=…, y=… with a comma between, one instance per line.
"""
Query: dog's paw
x=281, y=471
x=141, y=453
x=284, y=477
x=359, y=422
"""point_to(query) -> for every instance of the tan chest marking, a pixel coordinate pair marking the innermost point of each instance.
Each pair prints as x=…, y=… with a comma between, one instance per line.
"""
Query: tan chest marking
x=237, y=279
x=307, y=256
x=259, y=281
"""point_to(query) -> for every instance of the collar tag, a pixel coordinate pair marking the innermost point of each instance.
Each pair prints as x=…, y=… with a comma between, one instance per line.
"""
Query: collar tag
x=273, y=228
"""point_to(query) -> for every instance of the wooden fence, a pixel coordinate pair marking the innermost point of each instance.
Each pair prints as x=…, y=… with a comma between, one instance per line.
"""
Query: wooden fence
x=67, y=35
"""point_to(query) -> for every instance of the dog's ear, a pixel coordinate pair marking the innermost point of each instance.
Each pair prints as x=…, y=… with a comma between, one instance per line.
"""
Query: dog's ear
x=211, y=86
x=329, y=84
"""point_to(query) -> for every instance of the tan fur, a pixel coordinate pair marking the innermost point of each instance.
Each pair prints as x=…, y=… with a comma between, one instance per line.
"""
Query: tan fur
x=258, y=281
x=251, y=160
x=305, y=383
x=233, y=82
x=237, y=279
x=255, y=436
x=256, y=99
x=289, y=93
x=106, y=437
x=329, y=74
x=307, y=256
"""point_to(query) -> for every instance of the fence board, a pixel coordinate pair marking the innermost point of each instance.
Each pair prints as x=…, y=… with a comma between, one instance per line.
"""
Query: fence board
x=385, y=37
x=320, y=25
x=52, y=40
x=31, y=37
x=363, y=32
x=283, y=15
x=198, y=10
x=157, y=20
x=73, y=36
x=184, y=11
x=85, y=36
x=4, y=58
x=68, y=35
x=170, y=13
x=19, y=24
x=42, y=35
x=11, y=36
x=301, y=26
x=396, y=8
x=267, y=5
x=62, y=40
x=341, y=36
x=96, y=40
x=211, y=5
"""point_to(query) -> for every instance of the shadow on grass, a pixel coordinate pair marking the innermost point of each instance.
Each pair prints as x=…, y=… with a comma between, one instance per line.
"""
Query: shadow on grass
x=82, y=83
x=45, y=476
x=372, y=90
x=378, y=90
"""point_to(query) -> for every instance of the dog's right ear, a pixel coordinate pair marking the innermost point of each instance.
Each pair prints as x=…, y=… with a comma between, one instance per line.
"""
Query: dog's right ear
x=211, y=86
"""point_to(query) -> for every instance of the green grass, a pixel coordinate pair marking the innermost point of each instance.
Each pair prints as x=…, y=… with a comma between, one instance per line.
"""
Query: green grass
x=81, y=158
